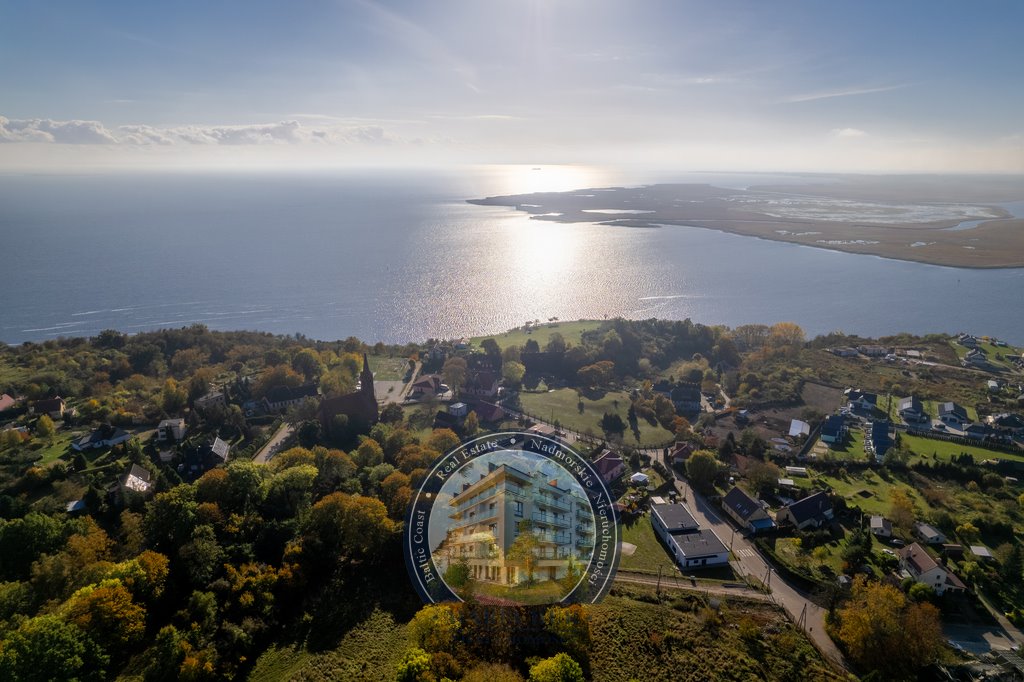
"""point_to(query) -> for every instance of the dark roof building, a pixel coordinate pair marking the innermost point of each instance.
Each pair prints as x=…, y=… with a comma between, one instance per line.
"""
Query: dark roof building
x=833, y=429
x=814, y=510
x=952, y=412
x=746, y=511
x=880, y=440
x=103, y=437
x=283, y=397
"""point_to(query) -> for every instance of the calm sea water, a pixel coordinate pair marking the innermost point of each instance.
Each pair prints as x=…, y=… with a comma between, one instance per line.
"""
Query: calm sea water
x=401, y=256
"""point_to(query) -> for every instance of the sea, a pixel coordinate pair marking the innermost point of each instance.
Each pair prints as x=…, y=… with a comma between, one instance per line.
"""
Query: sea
x=399, y=256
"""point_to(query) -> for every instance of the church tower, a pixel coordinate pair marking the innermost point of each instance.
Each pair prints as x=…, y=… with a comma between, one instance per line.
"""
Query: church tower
x=366, y=380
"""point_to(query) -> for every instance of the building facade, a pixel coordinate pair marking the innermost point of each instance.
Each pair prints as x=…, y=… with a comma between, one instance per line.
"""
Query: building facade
x=488, y=516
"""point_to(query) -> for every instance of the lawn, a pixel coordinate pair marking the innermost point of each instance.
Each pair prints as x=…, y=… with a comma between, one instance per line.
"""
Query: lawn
x=869, y=490
x=52, y=452
x=542, y=592
x=386, y=368
x=852, y=447
x=945, y=450
x=562, y=405
x=572, y=332
x=649, y=554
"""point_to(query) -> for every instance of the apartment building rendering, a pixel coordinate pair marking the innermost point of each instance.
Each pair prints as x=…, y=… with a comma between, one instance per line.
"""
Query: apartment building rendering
x=486, y=517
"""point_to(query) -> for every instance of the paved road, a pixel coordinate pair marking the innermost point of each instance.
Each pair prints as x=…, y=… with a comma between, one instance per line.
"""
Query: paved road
x=268, y=451
x=749, y=562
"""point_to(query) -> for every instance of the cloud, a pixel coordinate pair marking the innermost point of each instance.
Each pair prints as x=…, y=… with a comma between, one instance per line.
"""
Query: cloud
x=58, y=132
x=849, y=92
x=281, y=133
x=848, y=132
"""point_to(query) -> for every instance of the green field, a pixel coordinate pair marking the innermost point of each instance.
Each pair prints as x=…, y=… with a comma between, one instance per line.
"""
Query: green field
x=562, y=405
x=650, y=554
x=867, y=490
x=572, y=332
x=945, y=450
x=53, y=451
x=388, y=369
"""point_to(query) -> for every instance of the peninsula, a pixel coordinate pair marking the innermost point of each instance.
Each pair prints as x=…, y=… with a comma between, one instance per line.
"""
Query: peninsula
x=942, y=221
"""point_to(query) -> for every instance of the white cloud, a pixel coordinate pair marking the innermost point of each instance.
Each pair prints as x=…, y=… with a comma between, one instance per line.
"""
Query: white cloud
x=281, y=133
x=848, y=132
x=59, y=132
x=848, y=92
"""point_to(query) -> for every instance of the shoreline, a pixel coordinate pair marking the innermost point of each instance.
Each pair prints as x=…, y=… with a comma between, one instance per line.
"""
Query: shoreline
x=994, y=242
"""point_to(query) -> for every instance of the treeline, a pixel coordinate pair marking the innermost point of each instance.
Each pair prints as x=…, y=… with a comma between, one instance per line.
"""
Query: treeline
x=195, y=582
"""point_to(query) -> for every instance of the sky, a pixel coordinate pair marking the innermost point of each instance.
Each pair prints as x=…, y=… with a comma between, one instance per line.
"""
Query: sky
x=867, y=86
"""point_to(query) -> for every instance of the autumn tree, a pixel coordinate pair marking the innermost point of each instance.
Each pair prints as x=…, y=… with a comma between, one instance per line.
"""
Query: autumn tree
x=109, y=615
x=471, y=425
x=881, y=630
x=559, y=668
x=454, y=372
x=307, y=363
x=49, y=648
x=763, y=477
x=45, y=428
x=701, y=469
x=368, y=454
x=442, y=440
x=901, y=509
x=345, y=528
x=513, y=371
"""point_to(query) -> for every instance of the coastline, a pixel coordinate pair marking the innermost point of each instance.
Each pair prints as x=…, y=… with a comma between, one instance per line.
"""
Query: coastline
x=929, y=236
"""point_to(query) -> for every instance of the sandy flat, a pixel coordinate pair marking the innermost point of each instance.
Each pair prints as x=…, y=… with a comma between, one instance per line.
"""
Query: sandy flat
x=869, y=216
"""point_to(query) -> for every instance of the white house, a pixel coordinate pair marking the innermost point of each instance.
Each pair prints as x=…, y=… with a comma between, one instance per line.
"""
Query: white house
x=171, y=430
x=922, y=567
x=690, y=545
x=881, y=527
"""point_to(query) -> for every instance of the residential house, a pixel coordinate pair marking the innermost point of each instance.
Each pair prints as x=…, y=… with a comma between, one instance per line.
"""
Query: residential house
x=912, y=410
x=976, y=358
x=426, y=387
x=690, y=545
x=844, y=352
x=813, y=511
x=280, y=398
x=993, y=386
x=928, y=533
x=879, y=439
x=978, y=431
x=679, y=453
x=482, y=384
x=922, y=567
x=967, y=341
x=452, y=418
x=486, y=413
x=136, y=481
x=609, y=465
x=1007, y=423
x=105, y=436
x=53, y=407
x=861, y=400
x=212, y=400
x=881, y=527
x=686, y=398
x=7, y=402
x=171, y=430
x=872, y=351
x=833, y=430
x=201, y=459
x=952, y=414
x=746, y=511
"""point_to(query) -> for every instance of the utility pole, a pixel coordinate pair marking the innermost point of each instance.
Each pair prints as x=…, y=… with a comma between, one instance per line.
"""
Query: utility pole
x=657, y=590
x=802, y=620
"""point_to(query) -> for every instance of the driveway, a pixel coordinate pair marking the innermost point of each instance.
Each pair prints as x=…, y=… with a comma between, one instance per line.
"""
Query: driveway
x=268, y=451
